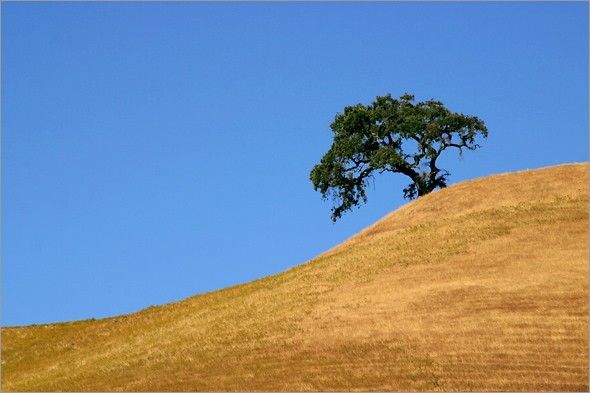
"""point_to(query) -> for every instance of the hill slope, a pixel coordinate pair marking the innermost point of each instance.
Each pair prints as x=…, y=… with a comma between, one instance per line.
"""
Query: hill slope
x=480, y=286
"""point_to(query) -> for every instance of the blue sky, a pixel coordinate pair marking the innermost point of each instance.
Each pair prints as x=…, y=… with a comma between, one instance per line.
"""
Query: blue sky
x=152, y=151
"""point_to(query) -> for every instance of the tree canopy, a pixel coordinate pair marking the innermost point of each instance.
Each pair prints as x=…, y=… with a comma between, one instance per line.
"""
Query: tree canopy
x=391, y=135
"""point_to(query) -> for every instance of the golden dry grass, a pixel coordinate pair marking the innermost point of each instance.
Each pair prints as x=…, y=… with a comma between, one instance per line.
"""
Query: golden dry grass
x=480, y=286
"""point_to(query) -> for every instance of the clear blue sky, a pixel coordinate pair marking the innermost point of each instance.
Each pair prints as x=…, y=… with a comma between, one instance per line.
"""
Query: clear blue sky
x=153, y=151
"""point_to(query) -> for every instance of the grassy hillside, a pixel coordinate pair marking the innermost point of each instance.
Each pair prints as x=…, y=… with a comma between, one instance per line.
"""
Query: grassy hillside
x=480, y=286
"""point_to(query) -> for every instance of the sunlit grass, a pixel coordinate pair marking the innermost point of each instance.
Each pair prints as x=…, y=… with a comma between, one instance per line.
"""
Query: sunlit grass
x=481, y=286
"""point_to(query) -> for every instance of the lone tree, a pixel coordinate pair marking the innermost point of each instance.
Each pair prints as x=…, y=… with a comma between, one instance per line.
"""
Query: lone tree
x=391, y=135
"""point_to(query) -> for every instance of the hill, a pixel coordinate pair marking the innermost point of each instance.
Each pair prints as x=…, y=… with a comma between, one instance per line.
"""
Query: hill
x=479, y=286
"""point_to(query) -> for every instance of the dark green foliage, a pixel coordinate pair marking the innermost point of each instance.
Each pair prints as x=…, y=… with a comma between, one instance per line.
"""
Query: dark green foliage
x=391, y=135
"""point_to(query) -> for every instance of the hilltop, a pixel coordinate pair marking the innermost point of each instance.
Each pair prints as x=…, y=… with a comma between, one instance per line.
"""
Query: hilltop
x=479, y=286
